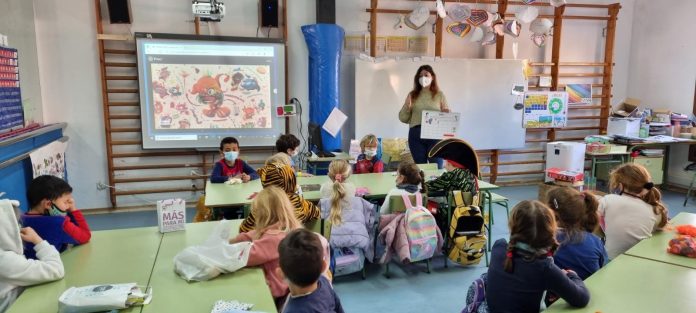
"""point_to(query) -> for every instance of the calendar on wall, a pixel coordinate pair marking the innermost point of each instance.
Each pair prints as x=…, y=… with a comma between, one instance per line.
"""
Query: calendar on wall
x=11, y=111
x=439, y=125
x=545, y=109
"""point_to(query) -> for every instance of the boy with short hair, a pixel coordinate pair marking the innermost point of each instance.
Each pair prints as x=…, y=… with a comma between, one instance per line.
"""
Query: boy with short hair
x=368, y=161
x=230, y=165
x=53, y=214
x=302, y=264
x=288, y=144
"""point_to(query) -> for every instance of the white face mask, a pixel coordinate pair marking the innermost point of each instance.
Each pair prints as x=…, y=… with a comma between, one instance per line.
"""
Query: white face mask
x=295, y=153
x=370, y=152
x=425, y=81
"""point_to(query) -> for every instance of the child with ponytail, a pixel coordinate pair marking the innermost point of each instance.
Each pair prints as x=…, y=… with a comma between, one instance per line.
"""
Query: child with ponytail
x=633, y=212
x=350, y=216
x=522, y=269
x=576, y=214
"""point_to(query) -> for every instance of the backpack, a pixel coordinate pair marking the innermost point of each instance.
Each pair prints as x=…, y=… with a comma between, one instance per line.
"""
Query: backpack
x=466, y=234
x=421, y=230
x=347, y=260
x=476, y=296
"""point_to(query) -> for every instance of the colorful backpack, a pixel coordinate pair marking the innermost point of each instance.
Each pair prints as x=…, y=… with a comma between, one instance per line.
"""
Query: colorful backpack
x=467, y=238
x=421, y=229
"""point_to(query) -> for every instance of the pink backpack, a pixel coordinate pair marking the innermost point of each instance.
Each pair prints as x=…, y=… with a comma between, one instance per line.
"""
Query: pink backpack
x=421, y=229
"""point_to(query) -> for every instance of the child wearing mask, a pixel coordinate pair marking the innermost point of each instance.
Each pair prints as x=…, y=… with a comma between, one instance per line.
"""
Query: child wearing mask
x=230, y=165
x=368, y=161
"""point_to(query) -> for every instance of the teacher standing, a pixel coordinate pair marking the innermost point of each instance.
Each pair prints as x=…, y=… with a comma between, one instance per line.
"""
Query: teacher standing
x=425, y=96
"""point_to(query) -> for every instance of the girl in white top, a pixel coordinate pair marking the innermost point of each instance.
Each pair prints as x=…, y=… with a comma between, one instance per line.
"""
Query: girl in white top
x=16, y=271
x=409, y=180
x=633, y=212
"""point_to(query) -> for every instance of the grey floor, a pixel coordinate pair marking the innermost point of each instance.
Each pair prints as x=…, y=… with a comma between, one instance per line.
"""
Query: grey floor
x=409, y=289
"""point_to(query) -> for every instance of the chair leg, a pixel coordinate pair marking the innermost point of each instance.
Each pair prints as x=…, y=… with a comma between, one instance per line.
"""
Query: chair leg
x=688, y=192
x=386, y=270
x=364, y=272
x=427, y=264
x=485, y=251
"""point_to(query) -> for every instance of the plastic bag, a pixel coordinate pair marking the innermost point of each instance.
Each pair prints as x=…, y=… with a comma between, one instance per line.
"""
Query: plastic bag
x=213, y=257
x=98, y=298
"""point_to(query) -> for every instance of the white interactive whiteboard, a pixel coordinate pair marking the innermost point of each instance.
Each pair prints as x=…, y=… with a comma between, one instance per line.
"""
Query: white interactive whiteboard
x=479, y=89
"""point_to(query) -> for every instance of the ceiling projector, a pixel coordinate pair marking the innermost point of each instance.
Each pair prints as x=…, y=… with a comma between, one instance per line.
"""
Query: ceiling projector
x=208, y=11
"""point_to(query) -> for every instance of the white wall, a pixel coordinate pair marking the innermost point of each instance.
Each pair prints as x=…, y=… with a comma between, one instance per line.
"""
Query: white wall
x=663, y=65
x=17, y=23
x=69, y=62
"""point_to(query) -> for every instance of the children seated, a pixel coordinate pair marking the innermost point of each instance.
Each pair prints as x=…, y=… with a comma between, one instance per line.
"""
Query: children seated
x=282, y=176
x=350, y=216
x=633, y=212
x=16, y=271
x=522, y=269
x=288, y=144
x=327, y=188
x=53, y=214
x=368, y=161
x=576, y=214
x=409, y=180
x=274, y=219
x=230, y=165
x=301, y=265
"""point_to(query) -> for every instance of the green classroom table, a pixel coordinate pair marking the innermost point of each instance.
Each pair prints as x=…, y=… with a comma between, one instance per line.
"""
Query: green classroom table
x=655, y=247
x=637, y=285
x=173, y=294
x=111, y=257
x=379, y=184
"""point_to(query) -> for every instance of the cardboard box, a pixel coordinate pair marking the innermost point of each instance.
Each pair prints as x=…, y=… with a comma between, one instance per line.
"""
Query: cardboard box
x=627, y=108
x=624, y=126
x=565, y=175
x=662, y=116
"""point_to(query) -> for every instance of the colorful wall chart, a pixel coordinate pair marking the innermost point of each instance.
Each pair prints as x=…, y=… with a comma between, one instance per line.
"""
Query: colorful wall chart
x=545, y=109
x=579, y=93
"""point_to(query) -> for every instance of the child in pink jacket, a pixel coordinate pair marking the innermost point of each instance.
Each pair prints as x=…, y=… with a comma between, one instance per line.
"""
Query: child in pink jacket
x=275, y=217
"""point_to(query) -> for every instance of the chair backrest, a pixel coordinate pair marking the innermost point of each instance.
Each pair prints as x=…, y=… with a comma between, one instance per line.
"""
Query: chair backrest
x=397, y=205
x=428, y=167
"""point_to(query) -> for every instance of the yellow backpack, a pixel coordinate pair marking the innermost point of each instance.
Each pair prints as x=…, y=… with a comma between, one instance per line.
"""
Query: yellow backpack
x=467, y=236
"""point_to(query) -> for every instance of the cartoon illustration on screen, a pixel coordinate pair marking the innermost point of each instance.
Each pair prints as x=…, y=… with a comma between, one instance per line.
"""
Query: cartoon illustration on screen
x=204, y=96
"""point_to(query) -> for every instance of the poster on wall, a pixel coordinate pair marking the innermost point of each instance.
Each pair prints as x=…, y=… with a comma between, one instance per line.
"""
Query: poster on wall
x=547, y=109
x=439, y=125
x=579, y=93
x=49, y=160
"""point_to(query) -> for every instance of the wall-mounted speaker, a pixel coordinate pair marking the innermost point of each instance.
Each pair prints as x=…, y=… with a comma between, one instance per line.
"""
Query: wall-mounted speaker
x=326, y=11
x=119, y=11
x=269, y=13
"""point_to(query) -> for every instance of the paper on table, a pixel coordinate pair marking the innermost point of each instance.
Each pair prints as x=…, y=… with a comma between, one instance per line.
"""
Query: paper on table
x=662, y=138
x=334, y=122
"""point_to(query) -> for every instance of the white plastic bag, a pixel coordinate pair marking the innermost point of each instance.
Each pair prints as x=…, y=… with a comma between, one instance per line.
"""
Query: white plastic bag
x=213, y=257
x=98, y=298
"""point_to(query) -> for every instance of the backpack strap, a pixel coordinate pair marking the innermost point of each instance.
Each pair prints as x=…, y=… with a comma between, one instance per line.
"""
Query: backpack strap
x=407, y=201
x=419, y=199
x=458, y=198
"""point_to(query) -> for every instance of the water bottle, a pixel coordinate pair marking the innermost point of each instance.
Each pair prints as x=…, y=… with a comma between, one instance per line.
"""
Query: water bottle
x=644, y=130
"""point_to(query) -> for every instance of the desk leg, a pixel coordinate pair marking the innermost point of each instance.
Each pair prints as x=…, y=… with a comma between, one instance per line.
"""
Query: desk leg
x=489, y=202
x=665, y=166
